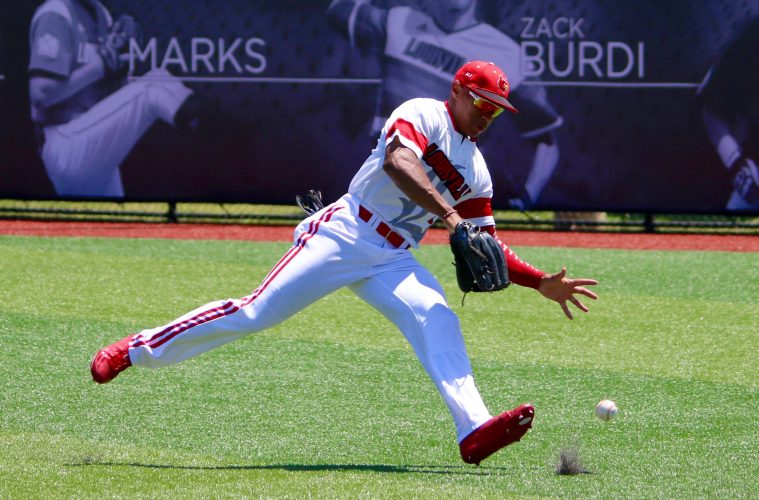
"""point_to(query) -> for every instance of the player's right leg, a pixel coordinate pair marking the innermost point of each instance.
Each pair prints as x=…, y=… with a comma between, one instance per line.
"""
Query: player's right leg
x=317, y=264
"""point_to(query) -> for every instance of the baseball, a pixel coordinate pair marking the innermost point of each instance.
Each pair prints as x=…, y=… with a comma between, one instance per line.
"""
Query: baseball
x=606, y=409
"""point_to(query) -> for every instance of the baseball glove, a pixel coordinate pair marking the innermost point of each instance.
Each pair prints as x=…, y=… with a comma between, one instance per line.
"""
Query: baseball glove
x=126, y=27
x=479, y=260
x=311, y=202
x=115, y=47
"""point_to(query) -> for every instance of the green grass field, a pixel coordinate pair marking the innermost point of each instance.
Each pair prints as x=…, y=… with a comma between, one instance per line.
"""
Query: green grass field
x=333, y=404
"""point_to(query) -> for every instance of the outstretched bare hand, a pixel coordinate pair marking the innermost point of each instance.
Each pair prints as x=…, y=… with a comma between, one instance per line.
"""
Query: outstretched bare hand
x=562, y=289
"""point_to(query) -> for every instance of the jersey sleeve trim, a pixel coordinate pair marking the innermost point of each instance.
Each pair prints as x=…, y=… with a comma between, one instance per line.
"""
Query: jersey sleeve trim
x=477, y=210
x=405, y=129
x=475, y=207
x=51, y=43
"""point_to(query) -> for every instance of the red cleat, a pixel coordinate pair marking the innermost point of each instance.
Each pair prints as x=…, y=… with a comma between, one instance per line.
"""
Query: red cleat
x=496, y=433
x=110, y=361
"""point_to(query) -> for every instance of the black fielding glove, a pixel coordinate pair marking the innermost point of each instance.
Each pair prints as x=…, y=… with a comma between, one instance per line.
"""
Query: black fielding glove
x=311, y=202
x=479, y=260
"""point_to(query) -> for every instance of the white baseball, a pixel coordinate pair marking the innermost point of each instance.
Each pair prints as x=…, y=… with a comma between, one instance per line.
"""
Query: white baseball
x=606, y=409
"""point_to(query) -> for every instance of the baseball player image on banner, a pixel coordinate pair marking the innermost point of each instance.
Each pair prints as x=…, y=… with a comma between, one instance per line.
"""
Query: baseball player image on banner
x=420, y=51
x=426, y=167
x=87, y=117
x=730, y=110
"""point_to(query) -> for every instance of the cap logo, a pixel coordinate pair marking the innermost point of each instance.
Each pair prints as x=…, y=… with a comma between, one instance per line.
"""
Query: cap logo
x=502, y=84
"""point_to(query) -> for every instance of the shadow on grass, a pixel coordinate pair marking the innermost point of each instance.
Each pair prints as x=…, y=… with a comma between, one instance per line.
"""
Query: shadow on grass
x=395, y=469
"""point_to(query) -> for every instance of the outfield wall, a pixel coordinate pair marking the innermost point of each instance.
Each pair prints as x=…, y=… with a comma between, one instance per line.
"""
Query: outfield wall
x=291, y=101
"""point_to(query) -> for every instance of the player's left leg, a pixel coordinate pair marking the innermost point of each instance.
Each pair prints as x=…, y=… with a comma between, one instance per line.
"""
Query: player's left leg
x=83, y=156
x=410, y=296
x=165, y=95
x=413, y=299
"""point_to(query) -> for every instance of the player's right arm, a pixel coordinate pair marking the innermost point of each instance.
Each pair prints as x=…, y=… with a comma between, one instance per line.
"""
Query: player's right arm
x=364, y=25
x=409, y=130
x=52, y=59
x=405, y=169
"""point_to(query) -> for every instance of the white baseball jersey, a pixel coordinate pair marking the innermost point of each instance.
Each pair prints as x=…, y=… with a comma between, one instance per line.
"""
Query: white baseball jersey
x=452, y=162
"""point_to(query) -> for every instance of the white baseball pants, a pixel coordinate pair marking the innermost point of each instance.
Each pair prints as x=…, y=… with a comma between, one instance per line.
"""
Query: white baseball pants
x=82, y=157
x=333, y=249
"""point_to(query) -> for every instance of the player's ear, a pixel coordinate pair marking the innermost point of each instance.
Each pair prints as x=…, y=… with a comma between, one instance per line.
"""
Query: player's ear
x=456, y=89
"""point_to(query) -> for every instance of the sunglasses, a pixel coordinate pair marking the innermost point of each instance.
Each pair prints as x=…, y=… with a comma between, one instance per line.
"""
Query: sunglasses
x=485, y=106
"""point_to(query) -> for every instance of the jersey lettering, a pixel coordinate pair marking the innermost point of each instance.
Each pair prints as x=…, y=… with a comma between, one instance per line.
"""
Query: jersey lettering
x=444, y=169
x=437, y=57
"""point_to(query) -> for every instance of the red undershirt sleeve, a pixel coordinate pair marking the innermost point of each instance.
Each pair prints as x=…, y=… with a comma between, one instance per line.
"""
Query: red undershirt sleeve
x=520, y=272
x=479, y=211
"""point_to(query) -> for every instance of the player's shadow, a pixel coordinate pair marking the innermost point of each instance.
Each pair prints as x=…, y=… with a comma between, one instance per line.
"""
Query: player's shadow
x=383, y=468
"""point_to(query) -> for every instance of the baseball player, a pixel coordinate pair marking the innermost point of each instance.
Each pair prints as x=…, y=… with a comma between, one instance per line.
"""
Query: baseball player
x=87, y=117
x=426, y=167
x=730, y=110
x=420, y=53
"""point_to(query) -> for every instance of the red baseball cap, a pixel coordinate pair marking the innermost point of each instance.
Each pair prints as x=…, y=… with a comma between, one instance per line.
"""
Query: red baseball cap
x=487, y=81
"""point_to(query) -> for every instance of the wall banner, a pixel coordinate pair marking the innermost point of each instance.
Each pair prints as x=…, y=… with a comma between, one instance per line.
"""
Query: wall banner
x=633, y=105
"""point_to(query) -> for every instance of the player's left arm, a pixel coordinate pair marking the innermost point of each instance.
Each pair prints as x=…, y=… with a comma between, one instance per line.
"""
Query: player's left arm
x=561, y=289
x=556, y=287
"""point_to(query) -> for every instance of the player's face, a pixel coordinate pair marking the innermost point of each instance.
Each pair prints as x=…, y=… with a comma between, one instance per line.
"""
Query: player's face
x=473, y=116
x=446, y=13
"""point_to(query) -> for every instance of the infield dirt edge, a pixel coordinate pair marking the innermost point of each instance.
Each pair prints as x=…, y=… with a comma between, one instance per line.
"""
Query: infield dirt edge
x=632, y=241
